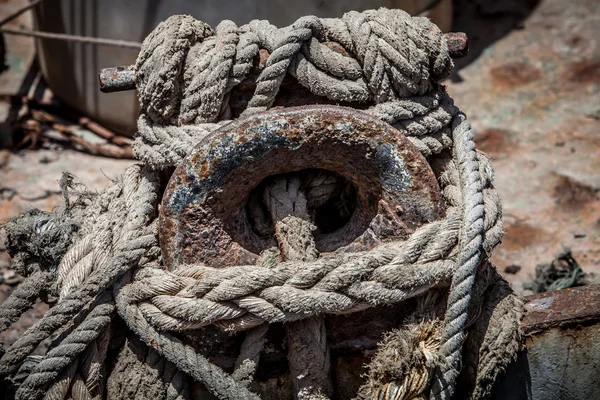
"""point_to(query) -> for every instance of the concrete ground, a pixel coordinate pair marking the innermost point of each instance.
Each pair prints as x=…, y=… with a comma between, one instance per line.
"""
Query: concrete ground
x=530, y=87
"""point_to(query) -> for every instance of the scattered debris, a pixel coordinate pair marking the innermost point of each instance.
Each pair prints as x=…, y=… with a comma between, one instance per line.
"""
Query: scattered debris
x=512, y=269
x=563, y=272
x=9, y=276
x=36, y=123
x=48, y=123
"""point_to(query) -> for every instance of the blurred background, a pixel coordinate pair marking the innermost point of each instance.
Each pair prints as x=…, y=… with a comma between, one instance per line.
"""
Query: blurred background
x=530, y=86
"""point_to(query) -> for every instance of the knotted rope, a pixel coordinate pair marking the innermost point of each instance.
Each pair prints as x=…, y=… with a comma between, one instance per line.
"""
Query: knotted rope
x=187, y=76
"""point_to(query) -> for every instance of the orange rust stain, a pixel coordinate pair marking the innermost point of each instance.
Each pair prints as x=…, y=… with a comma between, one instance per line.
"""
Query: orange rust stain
x=203, y=168
x=584, y=72
x=263, y=56
x=241, y=139
x=521, y=235
x=572, y=194
x=514, y=74
x=494, y=141
x=338, y=48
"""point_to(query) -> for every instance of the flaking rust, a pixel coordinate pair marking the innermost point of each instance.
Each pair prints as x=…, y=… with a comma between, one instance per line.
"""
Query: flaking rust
x=117, y=79
x=204, y=215
x=562, y=308
x=562, y=330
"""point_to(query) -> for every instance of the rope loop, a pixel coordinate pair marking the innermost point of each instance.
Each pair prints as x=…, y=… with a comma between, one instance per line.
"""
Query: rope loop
x=193, y=80
x=185, y=69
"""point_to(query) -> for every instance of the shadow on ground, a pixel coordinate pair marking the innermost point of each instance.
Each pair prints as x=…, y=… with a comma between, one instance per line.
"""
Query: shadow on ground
x=485, y=22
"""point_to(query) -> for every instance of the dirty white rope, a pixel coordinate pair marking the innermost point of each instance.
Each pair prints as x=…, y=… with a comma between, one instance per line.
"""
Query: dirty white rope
x=186, y=76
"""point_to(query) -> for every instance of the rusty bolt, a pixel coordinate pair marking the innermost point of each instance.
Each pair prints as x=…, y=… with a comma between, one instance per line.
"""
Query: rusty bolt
x=458, y=44
x=117, y=79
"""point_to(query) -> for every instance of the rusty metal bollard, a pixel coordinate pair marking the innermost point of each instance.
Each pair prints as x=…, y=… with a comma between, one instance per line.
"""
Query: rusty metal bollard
x=392, y=192
x=212, y=211
x=391, y=187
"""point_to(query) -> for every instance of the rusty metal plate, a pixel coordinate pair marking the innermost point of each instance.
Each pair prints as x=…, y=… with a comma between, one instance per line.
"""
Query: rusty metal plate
x=204, y=216
x=561, y=358
x=562, y=308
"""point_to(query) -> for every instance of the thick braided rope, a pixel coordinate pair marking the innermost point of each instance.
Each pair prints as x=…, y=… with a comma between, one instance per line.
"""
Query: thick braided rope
x=287, y=45
x=230, y=288
x=185, y=86
x=389, y=274
x=469, y=257
x=92, y=368
x=182, y=355
x=172, y=348
x=140, y=187
x=425, y=120
x=223, y=294
x=411, y=254
x=71, y=347
x=465, y=292
x=219, y=64
x=190, y=297
x=186, y=72
x=60, y=386
x=23, y=297
x=306, y=339
x=408, y=255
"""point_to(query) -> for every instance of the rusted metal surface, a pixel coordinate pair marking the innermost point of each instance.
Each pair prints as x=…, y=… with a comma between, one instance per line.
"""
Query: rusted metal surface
x=458, y=44
x=562, y=355
x=532, y=94
x=204, y=214
x=205, y=217
x=118, y=79
x=562, y=308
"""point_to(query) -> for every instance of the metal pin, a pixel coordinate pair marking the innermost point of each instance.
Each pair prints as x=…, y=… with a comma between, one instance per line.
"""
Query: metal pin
x=118, y=79
x=458, y=44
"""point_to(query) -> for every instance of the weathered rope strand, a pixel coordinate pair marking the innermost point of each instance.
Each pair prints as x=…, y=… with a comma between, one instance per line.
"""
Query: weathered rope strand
x=182, y=355
x=23, y=298
x=204, y=66
x=130, y=251
x=70, y=348
x=469, y=257
x=188, y=77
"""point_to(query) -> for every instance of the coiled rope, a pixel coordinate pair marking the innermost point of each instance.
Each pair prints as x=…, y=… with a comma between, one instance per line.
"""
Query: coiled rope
x=187, y=73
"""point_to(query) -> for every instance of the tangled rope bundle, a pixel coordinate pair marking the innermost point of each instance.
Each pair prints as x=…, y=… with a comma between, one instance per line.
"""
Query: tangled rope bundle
x=99, y=262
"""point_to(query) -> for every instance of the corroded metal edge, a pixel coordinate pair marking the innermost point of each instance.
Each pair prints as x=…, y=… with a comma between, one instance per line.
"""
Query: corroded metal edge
x=117, y=79
x=561, y=308
x=561, y=356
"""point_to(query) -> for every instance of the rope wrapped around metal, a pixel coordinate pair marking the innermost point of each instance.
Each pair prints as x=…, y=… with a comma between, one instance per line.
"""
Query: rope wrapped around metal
x=186, y=74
